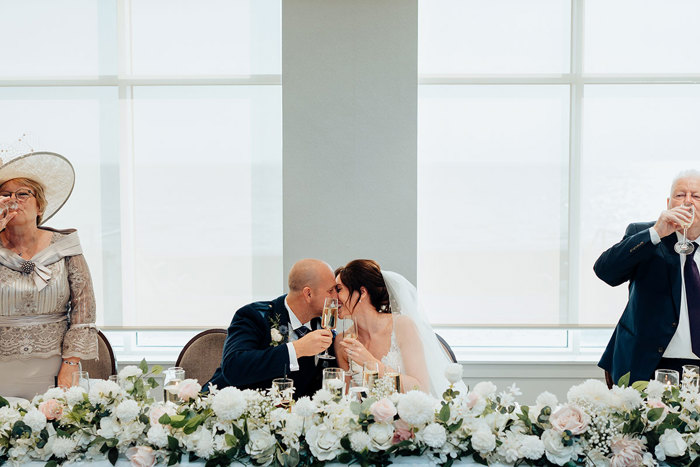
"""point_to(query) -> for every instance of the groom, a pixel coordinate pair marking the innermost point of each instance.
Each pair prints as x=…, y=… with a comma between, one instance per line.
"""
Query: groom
x=268, y=339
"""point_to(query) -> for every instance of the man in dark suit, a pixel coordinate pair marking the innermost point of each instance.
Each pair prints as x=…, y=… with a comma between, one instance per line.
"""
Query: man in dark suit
x=267, y=340
x=660, y=327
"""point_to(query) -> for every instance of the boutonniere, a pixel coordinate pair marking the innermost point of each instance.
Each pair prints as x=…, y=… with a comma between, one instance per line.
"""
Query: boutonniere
x=278, y=332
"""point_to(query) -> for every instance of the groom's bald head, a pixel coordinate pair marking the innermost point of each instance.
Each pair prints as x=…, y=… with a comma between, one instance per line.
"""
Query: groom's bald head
x=310, y=282
x=308, y=273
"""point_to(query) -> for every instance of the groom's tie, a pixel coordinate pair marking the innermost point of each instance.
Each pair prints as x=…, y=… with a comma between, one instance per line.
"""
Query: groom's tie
x=692, y=296
x=302, y=330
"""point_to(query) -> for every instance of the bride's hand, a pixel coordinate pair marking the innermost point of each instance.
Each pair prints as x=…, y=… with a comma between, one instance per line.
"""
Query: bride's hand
x=356, y=351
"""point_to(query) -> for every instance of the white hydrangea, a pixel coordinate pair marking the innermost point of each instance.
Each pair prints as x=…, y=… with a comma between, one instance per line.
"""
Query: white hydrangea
x=127, y=410
x=53, y=393
x=157, y=436
x=103, y=391
x=35, y=420
x=591, y=392
x=360, y=441
x=483, y=440
x=416, y=408
x=8, y=416
x=75, y=395
x=625, y=398
x=655, y=389
x=204, y=443
x=63, y=447
x=229, y=403
x=547, y=399
x=531, y=447
x=304, y=407
x=509, y=449
x=485, y=389
x=322, y=397
x=129, y=371
x=434, y=435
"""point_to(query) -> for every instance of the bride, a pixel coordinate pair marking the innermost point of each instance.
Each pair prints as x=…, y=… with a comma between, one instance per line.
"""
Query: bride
x=391, y=328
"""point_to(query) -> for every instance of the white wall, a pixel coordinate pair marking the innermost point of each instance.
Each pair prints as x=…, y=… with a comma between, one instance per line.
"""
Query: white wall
x=349, y=76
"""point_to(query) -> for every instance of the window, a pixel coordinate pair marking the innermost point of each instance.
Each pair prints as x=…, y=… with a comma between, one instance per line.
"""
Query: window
x=545, y=127
x=164, y=126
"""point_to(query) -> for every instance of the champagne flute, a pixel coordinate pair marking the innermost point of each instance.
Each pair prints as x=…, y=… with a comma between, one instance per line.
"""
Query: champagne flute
x=667, y=377
x=370, y=374
x=82, y=379
x=351, y=332
x=394, y=377
x=173, y=377
x=329, y=320
x=684, y=247
x=282, y=391
x=334, y=382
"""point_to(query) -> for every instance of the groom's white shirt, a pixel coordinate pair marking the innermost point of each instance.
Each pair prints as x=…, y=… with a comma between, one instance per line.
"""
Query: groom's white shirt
x=294, y=323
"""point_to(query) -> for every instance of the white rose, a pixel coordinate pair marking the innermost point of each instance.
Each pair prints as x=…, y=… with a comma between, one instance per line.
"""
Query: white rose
x=485, y=389
x=275, y=335
x=671, y=444
x=141, y=456
x=554, y=448
x=381, y=435
x=108, y=428
x=324, y=442
x=453, y=372
x=483, y=440
x=261, y=446
x=129, y=371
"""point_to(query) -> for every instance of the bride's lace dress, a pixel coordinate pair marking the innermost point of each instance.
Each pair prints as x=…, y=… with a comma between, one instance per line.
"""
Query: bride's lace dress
x=393, y=359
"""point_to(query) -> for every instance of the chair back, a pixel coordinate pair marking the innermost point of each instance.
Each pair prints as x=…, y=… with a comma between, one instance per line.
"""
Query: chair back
x=446, y=348
x=202, y=355
x=105, y=364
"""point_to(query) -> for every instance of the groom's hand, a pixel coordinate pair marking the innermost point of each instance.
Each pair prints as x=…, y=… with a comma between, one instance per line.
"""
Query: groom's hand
x=313, y=343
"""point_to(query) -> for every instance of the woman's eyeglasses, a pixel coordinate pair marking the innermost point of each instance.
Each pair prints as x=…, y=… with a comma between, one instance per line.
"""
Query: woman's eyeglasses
x=20, y=195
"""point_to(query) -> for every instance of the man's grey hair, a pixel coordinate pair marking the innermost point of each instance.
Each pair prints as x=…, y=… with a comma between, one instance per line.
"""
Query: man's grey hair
x=690, y=173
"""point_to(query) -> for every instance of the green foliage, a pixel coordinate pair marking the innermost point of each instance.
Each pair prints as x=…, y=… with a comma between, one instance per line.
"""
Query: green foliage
x=624, y=380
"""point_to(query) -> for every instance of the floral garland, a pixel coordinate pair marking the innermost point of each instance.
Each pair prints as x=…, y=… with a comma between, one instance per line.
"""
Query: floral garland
x=642, y=424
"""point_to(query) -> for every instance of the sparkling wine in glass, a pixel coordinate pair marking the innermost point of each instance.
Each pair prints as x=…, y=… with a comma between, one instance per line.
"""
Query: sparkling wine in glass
x=329, y=320
x=351, y=333
x=334, y=382
x=394, y=377
x=173, y=377
x=684, y=247
x=370, y=374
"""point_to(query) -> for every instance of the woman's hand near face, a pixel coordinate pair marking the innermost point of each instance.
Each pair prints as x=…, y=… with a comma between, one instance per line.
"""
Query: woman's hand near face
x=356, y=351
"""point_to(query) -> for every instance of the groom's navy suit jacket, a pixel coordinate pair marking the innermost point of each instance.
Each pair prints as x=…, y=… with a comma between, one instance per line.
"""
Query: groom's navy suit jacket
x=249, y=361
x=651, y=316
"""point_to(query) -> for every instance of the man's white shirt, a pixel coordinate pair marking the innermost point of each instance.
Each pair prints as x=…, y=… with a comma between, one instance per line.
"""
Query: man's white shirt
x=680, y=345
x=294, y=323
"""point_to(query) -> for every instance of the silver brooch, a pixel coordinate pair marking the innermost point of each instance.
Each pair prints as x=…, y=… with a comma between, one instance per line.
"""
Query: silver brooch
x=27, y=267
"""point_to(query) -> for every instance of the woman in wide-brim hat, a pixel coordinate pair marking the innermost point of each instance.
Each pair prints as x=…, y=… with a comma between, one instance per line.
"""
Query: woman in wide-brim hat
x=47, y=304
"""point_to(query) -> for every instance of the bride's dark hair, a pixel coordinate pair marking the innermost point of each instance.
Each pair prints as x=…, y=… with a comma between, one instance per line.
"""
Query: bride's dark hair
x=366, y=273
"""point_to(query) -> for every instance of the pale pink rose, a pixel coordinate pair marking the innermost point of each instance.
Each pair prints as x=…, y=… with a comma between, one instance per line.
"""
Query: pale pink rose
x=188, y=389
x=472, y=399
x=141, y=456
x=155, y=414
x=626, y=452
x=52, y=409
x=402, y=432
x=656, y=404
x=383, y=410
x=569, y=418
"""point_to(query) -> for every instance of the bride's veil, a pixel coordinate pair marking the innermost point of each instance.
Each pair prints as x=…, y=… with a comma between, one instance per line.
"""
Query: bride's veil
x=403, y=297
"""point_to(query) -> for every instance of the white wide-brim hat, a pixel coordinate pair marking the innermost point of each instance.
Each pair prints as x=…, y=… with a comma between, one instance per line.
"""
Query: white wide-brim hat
x=52, y=170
